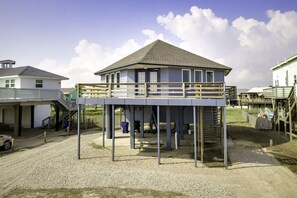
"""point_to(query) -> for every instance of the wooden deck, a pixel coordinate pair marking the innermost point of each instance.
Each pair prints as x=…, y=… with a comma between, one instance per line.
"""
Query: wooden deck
x=169, y=90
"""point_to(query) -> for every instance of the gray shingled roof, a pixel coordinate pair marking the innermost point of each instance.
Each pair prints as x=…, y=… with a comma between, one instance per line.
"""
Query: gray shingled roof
x=163, y=54
x=29, y=71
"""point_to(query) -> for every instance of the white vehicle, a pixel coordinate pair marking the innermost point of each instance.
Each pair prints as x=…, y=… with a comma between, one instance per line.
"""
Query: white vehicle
x=5, y=142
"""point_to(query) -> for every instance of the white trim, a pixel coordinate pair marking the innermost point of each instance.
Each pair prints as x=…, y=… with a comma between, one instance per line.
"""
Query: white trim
x=200, y=76
x=212, y=75
x=183, y=75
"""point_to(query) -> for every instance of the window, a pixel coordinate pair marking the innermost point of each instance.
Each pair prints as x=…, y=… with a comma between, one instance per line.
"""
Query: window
x=118, y=77
x=112, y=78
x=198, y=76
x=209, y=76
x=10, y=83
x=295, y=79
x=39, y=84
x=106, y=78
x=276, y=83
x=186, y=75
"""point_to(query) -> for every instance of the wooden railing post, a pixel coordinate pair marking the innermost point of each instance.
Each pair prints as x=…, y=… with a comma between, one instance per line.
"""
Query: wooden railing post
x=109, y=90
x=184, y=90
x=145, y=90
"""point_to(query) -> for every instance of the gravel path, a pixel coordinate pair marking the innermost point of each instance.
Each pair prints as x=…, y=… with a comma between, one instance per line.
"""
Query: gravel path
x=54, y=165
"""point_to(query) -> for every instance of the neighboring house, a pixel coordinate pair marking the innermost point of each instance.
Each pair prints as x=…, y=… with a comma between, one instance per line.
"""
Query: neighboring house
x=163, y=83
x=26, y=94
x=285, y=73
x=254, y=96
x=283, y=94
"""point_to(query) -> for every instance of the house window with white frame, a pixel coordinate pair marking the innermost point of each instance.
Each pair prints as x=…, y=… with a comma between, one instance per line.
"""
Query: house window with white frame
x=10, y=83
x=106, y=78
x=209, y=76
x=186, y=75
x=118, y=77
x=198, y=76
x=39, y=84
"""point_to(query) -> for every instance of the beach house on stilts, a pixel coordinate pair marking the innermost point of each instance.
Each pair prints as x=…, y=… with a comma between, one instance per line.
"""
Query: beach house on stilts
x=162, y=83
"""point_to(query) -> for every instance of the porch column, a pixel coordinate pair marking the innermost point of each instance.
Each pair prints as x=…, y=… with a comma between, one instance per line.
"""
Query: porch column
x=32, y=116
x=201, y=135
x=142, y=123
x=18, y=120
x=158, y=131
x=181, y=120
x=103, y=125
x=132, y=131
x=78, y=131
x=168, y=129
x=57, y=110
x=195, y=135
x=108, y=121
x=113, y=132
x=225, y=140
x=177, y=128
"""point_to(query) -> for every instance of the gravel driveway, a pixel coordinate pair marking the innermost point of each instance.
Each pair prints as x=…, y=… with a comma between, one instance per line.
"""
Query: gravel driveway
x=54, y=165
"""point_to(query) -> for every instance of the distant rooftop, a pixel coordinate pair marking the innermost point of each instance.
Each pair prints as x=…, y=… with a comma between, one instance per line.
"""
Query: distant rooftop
x=29, y=72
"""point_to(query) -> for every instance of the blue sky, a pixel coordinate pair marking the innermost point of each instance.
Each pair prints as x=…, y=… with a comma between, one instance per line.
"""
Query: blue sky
x=60, y=34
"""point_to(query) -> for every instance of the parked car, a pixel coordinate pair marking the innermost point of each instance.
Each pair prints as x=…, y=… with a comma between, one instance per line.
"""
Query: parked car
x=5, y=142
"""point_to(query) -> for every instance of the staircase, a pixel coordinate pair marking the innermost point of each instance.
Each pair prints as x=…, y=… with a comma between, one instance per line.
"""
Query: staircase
x=67, y=108
x=286, y=114
x=211, y=125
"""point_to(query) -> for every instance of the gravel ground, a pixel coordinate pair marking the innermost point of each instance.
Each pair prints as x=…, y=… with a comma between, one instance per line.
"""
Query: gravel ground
x=54, y=165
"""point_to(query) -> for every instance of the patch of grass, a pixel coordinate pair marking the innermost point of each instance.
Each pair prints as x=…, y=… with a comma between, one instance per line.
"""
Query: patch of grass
x=233, y=115
x=96, y=146
x=286, y=154
x=91, y=192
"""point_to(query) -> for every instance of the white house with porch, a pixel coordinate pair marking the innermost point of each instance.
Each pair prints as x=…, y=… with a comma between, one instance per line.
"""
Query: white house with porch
x=26, y=94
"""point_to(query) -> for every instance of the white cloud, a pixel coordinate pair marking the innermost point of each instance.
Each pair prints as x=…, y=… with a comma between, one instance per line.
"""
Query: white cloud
x=250, y=46
x=90, y=57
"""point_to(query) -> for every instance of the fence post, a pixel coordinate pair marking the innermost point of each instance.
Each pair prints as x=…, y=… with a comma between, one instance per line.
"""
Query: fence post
x=145, y=90
x=184, y=90
x=44, y=135
x=109, y=90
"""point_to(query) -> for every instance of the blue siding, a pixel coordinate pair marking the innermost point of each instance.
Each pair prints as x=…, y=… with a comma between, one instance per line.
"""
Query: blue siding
x=171, y=75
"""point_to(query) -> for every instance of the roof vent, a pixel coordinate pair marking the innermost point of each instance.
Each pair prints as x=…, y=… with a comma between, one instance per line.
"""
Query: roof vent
x=7, y=63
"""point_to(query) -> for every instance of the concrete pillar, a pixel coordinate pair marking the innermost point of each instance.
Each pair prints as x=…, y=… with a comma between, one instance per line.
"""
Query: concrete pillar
x=225, y=140
x=132, y=125
x=181, y=120
x=57, y=110
x=201, y=135
x=158, y=133
x=108, y=121
x=177, y=126
x=142, y=123
x=17, y=120
x=32, y=116
x=113, y=132
x=78, y=131
x=103, y=125
x=168, y=129
x=195, y=135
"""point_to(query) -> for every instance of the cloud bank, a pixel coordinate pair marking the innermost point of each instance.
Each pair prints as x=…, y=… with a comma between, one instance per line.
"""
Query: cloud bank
x=249, y=46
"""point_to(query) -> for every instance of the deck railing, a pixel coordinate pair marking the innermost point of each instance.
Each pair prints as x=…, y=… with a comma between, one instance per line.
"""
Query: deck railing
x=277, y=92
x=256, y=100
x=16, y=95
x=231, y=92
x=152, y=90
